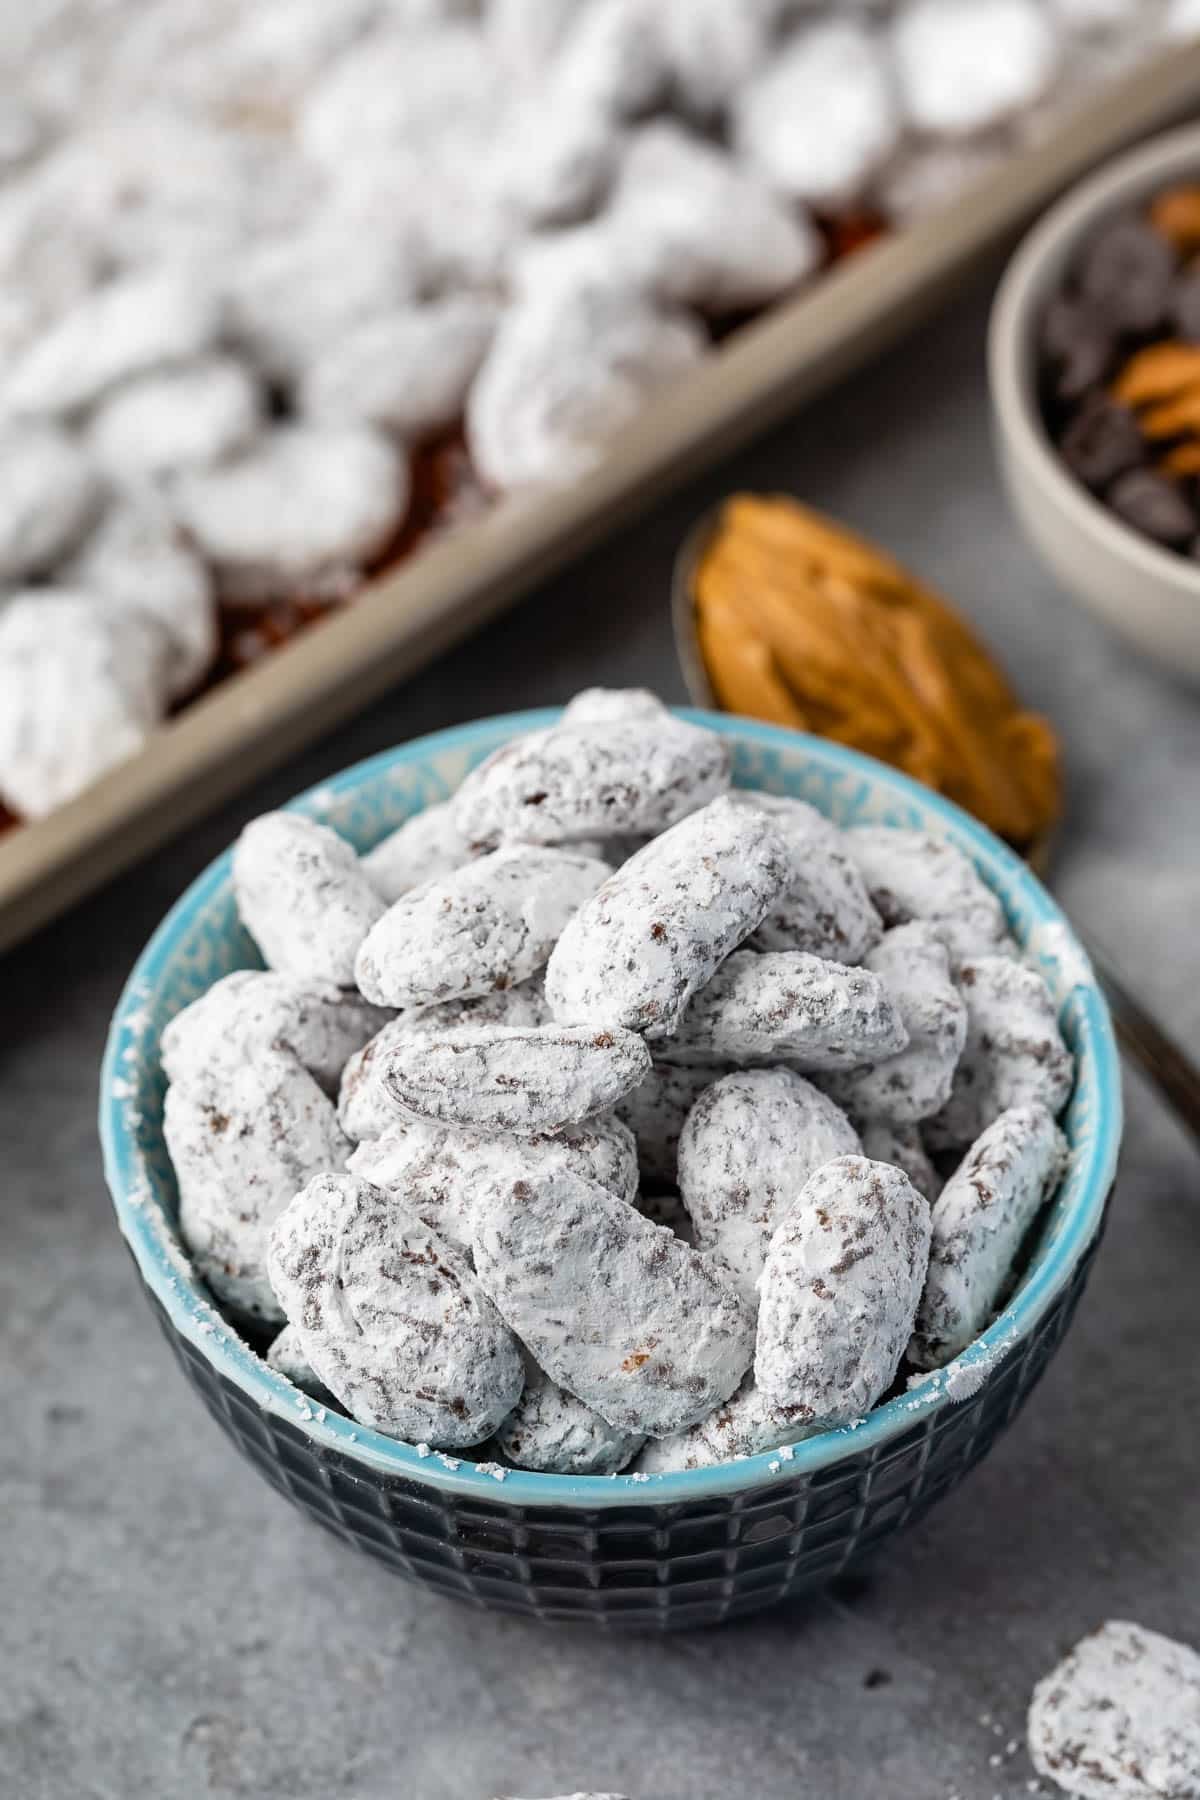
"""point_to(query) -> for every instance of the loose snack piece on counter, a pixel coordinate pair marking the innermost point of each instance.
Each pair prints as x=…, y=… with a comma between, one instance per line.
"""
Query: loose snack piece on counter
x=1120, y=1716
x=914, y=875
x=244, y=1138
x=286, y=1356
x=254, y=1010
x=490, y=924
x=839, y=1291
x=82, y=685
x=788, y=1007
x=1014, y=1053
x=825, y=908
x=301, y=508
x=746, y=1424
x=509, y=1078
x=550, y=1430
x=806, y=624
x=655, y=1112
x=592, y=775
x=633, y=1322
x=303, y=896
x=390, y=1317
x=365, y=1106
x=901, y=1145
x=424, y=847
x=979, y=1222
x=915, y=1083
x=655, y=932
x=749, y=1145
x=444, y=1173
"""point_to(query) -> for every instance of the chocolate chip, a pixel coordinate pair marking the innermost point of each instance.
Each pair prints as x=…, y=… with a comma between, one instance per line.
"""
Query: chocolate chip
x=1101, y=441
x=1154, y=506
x=1077, y=345
x=1126, y=273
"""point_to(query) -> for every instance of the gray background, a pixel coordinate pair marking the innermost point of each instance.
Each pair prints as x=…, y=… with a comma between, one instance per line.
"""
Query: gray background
x=169, y=1628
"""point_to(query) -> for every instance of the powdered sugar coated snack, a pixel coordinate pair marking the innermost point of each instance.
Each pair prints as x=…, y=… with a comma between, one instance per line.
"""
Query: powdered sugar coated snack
x=82, y=685
x=551, y=1430
x=491, y=924
x=916, y=1082
x=635, y=1324
x=979, y=1221
x=462, y=1250
x=303, y=897
x=391, y=1318
x=635, y=953
x=300, y=507
x=840, y=1289
x=1014, y=1053
x=245, y=1137
x=427, y=845
x=786, y=1006
x=444, y=1173
x=365, y=1106
x=825, y=908
x=749, y=1145
x=913, y=875
x=48, y=493
x=745, y=1424
x=505, y=1078
x=254, y=1010
x=1119, y=1718
x=588, y=775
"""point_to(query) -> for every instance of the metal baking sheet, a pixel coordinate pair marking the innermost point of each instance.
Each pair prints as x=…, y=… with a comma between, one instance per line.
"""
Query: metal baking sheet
x=760, y=374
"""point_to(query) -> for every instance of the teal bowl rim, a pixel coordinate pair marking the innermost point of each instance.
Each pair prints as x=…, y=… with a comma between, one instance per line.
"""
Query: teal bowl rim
x=164, y=1268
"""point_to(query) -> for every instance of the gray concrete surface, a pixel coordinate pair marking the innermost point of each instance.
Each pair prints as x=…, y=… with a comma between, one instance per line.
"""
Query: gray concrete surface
x=170, y=1629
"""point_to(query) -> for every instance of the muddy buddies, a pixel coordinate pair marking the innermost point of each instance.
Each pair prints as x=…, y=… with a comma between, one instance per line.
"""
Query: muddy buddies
x=563, y=1159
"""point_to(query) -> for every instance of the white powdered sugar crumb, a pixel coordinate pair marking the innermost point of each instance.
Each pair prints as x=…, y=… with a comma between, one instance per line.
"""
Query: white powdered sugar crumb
x=423, y=1451
x=774, y=1467
x=787, y=1452
x=449, y=1462
x=493, y=1469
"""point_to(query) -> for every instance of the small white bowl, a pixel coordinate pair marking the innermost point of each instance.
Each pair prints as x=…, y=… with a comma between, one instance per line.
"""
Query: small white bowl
x=1150, y=595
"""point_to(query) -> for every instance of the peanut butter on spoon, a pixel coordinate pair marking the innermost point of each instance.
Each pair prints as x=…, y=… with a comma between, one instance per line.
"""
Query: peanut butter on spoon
x=802, y=623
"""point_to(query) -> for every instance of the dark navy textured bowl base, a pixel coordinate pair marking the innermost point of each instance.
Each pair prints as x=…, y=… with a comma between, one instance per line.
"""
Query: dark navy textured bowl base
x=637, y=1567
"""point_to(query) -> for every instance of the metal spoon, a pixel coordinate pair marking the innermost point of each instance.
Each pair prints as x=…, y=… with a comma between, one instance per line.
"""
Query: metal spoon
x=1143, y=1040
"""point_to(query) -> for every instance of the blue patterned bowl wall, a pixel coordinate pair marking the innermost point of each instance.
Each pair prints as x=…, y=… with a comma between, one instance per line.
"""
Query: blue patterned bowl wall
x=632, y=1551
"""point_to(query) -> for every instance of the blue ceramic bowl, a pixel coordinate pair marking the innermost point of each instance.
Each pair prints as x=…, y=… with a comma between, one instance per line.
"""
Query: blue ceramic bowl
x=629, y=1550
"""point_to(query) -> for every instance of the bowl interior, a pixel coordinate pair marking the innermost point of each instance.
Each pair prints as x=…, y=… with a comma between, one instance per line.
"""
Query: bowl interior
x=1036, y=272
x=201, y=940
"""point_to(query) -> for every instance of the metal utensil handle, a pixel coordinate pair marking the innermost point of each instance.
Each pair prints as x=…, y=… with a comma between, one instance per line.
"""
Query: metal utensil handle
x=1147, y=1044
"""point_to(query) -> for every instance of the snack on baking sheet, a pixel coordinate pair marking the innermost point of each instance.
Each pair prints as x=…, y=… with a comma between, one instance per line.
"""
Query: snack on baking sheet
x=1119, y=368
x=1119, y=1718
x=602, y=1247
x=323, y=282
x=803, y=623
